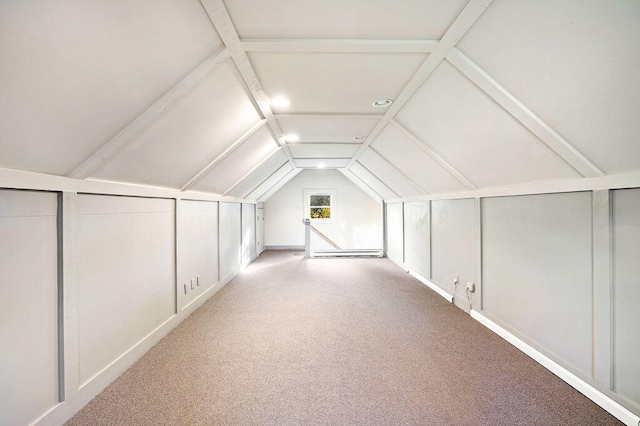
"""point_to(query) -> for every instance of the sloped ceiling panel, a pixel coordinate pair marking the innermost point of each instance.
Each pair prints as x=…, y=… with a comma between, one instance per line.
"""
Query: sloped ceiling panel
x=333, y=82
x=380, y=19
x=414, y=162
x=260, y=174
x=575, y=64
x=237, y=164
x=196, y=131
x=321, y=163
x=372, y=181
x=476, y=136
x=276, y=180
x=323, y=150
x=388, y=174
x=327, y=129
x=73, y=76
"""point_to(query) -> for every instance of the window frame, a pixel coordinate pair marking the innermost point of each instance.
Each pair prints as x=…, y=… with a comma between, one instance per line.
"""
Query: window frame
x=307, y=204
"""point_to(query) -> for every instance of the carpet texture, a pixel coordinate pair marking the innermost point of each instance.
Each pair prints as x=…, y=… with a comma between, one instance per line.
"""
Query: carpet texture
x=295, y=341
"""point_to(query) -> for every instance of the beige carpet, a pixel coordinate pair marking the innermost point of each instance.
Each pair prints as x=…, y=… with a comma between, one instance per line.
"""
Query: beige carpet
x=293, y=341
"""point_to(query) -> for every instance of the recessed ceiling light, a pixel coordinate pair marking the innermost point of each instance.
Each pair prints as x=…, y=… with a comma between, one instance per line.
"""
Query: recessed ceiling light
x=359, y=138
x=381, y=103
x=291, y=137
x=321, y=165
x=280, y=101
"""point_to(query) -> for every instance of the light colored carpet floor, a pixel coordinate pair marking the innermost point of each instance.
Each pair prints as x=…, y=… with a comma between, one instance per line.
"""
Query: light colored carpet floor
x=294, y=341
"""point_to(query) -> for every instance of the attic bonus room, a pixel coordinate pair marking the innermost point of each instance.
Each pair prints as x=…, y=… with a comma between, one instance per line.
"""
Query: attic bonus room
x=295, y=212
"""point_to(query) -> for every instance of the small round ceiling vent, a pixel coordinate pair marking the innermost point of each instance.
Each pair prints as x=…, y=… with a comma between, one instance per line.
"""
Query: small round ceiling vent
x=381, y=103
x=359, y=138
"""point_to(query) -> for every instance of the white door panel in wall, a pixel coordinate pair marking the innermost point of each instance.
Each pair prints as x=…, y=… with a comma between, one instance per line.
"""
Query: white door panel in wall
x=259, y=230
x=197, y=248
x=452, y=245
x=395, y=232
x=626, y=246
x=28, y=305
x=126, y=275
x=417, y=243
x=537, y=271
x=230, y=239
x=248, y=233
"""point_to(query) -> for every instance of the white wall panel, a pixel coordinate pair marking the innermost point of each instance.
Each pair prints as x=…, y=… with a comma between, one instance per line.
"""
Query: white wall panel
x=356, y=222
x=186, y=139
x=335, y=82
x=248, y=233
x=416, y=19
x=74, y=75
x=394, y=232
x=574, y=64
x=197, y=247
x=126, y=275
x=238, y=163
x=452, y=245
x=537, y=271
x=626, y=246
x=230, y=239
x=414, y=162
x=28, y=305
x=417, y=237
x=476, y=136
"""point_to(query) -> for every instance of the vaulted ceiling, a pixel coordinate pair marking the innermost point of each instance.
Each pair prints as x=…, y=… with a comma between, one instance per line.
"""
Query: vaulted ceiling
x=183, y=93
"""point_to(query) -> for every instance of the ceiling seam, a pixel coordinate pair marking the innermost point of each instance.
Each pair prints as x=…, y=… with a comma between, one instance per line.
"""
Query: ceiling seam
x=111, y=149
x=426, y=148
x=226, y=30
x=338, y=46
x=544, y=133
x=242, y=139
x=454, y=33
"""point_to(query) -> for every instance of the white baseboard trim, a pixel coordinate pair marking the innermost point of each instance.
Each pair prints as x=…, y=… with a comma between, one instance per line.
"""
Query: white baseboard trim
x=63, y=411
x=284, y=247
x=617, y=410
x=433, y=286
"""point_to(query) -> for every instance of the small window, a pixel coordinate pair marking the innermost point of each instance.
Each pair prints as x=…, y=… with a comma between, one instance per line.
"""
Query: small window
x=319, y=206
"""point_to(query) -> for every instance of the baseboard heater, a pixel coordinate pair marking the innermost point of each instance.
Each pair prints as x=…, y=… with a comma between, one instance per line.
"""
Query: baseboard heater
x=347, y=253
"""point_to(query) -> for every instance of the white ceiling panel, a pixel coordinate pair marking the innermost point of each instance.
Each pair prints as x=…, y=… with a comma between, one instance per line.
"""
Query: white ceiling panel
x=360, y=184
x=283, y=174
x=72, y=76
x=196, y=131
x=575, y=64
x=386, y=173
x=259, y=175
x=327, y=129
x=380, y=19
x=414, y=162
x=372, y=181
x=334, y=82
x=476, y=136
x=282, y=182
x=321, y=163
x=238, y=163
x=323, y=150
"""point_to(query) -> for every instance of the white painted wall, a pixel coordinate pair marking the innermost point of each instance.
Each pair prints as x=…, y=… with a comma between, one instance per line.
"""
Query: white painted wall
x=248, y=233
x=28, y=305
x=230, y=239
x=126, y=271
x=417, y=235
x=395, y=232
x=197, y=248
x=356, y=222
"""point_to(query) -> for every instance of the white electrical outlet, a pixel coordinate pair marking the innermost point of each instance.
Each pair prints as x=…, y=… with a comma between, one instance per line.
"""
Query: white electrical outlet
x=471, y=287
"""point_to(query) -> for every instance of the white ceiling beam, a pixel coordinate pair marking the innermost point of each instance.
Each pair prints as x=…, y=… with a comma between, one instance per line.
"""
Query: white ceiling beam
x=422, y=145
x=521, y=113
x=456, y=31
x=224, y=26
x=282, y=182
x=224, y=155
x=250, y=172
x=361, y=184
x=126, y=136
x=340, y=46
x=400, y=172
